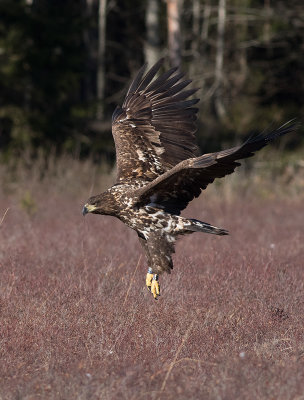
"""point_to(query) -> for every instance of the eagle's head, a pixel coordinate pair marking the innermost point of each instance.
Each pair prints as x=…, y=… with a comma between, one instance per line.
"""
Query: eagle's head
x=101, y=204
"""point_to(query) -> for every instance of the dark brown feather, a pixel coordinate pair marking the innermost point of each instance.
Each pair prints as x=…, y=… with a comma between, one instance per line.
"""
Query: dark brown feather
x=177, y=187
x=154, y=129
x=158, y=250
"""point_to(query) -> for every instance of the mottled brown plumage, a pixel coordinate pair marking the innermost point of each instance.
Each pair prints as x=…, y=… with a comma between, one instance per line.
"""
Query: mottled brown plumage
x=154, y=129
x=159, y=171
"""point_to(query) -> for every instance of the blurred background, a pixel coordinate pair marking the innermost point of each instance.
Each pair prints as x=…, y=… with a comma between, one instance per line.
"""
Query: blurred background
x=64, y=65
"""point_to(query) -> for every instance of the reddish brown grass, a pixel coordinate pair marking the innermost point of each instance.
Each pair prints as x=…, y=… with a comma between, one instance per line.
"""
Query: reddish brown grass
x=78, y=323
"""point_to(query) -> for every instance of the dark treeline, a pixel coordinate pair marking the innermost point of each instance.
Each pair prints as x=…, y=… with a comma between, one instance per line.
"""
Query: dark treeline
x=64, y=65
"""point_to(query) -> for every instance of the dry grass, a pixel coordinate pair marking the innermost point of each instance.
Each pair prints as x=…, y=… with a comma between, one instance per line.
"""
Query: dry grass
x=78, y=323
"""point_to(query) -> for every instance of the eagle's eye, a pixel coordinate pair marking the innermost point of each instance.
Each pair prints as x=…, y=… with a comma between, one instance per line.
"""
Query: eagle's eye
x=93, y=202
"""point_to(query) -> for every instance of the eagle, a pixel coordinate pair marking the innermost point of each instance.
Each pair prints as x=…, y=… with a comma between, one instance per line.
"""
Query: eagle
x=159, y=170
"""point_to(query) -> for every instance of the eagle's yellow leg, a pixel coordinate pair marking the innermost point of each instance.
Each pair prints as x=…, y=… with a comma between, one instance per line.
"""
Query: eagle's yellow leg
x=149, y=278
x=155, y=288
x=152, y=283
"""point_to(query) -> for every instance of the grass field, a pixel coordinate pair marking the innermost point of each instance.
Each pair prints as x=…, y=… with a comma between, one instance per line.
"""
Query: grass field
x=78, y=323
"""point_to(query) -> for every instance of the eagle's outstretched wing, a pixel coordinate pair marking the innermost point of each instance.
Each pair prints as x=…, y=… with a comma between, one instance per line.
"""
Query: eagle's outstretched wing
x=176, y=188
x=154, y=129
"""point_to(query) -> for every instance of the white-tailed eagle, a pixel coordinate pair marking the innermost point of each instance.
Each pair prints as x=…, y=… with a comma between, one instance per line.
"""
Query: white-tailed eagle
x=159, y=170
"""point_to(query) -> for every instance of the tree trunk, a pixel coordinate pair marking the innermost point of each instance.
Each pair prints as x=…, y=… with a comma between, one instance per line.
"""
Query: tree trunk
x=195, y=41
x=219, y=61
x=241, y=37
x=89, y=88
x=174, y=36
x=196, y=11
x=206, y=21
x=101, y=58
x=152, y=50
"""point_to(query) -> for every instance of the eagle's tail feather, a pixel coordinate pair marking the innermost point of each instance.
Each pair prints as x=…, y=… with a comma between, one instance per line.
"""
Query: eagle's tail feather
x=199, y=226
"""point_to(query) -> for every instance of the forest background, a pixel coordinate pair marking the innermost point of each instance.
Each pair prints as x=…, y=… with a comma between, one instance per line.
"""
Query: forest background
x=64, y=66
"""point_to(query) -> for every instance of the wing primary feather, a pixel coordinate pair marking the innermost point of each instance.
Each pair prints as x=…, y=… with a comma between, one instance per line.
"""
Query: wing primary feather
x=136, y=81
x=171, y=91
x=150, y=75
x=187, y=112
x=168, y=83
x=160, y=80
x=179, y=105
x=178, y=97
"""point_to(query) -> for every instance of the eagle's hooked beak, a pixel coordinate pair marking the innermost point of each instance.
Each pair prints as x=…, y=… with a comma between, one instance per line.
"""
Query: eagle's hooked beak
x=88, y=208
